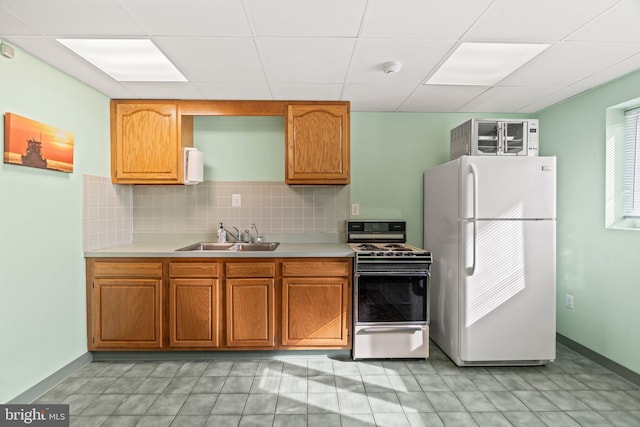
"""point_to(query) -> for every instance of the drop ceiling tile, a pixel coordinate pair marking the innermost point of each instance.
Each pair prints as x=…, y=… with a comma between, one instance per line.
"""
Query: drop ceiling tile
x=367, y=97
x=245, y=90
x=201, y=17
x=440, y=99
x=165, y=90
x=553, y=98
x=417, y=57
x=618, y=70
x=74, y=17
x=566, y=63
x=213, y=59
x=319, y=92
x=289, y=18
x=614, y=25
x=305, y=60
x=534, y=21
x=10, y=25
x=436, y=20
x=505, y=99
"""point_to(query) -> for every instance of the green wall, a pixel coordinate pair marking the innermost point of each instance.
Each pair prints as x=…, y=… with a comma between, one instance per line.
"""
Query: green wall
x=598, y=266
x=389, y=153
x=241, y=148
x=42, y=278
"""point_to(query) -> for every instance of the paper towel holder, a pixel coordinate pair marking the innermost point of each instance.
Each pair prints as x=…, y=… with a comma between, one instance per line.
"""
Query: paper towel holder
x=193, y=166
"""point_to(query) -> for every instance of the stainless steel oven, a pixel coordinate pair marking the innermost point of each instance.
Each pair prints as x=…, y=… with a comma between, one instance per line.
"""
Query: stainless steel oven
x=391, y=292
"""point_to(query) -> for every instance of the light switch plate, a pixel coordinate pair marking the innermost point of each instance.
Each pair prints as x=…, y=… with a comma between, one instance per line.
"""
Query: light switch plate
x=355, y=209
x=236, y=200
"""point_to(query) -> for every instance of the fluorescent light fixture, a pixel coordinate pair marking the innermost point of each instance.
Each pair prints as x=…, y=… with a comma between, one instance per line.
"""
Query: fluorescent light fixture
x=126, y=60
x=484, y=64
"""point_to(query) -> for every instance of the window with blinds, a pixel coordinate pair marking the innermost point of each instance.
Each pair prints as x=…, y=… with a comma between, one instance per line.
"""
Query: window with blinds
x=632, y=163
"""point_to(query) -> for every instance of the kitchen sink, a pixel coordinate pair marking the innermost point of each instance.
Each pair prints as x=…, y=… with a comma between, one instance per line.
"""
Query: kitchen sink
x=232, y=247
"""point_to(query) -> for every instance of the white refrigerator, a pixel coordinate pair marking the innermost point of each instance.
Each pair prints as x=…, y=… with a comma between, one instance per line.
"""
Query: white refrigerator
x=490, y=223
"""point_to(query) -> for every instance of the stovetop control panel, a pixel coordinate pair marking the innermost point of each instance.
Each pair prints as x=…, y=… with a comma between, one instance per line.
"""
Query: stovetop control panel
x=376, y=231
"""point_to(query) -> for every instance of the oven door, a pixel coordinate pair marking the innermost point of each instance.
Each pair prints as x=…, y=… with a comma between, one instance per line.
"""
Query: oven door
x=391, y=315
x=386, y=298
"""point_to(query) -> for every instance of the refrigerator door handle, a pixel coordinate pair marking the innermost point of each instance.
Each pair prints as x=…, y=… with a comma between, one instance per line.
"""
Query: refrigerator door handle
x=474, y=175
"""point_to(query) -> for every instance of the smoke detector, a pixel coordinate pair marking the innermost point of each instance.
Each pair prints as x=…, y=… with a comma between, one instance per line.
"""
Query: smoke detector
x=391, y=67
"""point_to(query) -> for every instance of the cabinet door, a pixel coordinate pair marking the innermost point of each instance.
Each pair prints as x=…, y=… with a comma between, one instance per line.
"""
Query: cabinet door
x=315, y=311
x=317, y=144
x=145, y=144
x=194, y=312
x=127, y=313
x=250, y=312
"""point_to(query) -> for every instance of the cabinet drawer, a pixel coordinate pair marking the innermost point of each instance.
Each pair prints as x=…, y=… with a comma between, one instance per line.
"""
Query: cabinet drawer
x=316, y=268
x=250, y=269
x=193, y=269
x=127, y=269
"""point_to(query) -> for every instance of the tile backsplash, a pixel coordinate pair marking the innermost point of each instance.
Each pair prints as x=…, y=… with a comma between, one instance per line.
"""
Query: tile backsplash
x=114, y=214
x=107, y=212
x=273, y=206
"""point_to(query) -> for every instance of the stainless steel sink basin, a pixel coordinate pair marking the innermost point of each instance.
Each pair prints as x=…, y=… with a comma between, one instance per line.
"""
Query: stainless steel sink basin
x=232, y=247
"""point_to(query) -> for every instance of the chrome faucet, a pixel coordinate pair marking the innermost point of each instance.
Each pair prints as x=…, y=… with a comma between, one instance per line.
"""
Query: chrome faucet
x=259, y=238
x=237, y=236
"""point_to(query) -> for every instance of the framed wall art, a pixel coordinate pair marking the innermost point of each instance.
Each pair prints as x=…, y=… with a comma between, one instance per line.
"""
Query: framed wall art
x=37, y=145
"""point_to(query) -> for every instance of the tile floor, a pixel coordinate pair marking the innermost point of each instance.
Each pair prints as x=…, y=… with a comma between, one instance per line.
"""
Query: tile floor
x=321, y=391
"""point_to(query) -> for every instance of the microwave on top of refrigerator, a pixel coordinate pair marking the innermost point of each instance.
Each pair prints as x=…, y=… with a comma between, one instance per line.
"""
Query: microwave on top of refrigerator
x=495, y=137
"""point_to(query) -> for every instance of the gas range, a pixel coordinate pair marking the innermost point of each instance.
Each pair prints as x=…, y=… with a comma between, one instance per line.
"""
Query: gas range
x=386, y=250
x=391, y=292
x=382, y=244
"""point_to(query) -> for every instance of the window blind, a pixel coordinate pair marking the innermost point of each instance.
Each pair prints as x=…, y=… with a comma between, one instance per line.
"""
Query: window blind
x=632, y=163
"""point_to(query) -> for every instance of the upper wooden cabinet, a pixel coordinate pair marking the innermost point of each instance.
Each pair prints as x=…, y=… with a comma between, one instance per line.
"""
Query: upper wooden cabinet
x=146, y=142
x=317, y=144
x=147, y=138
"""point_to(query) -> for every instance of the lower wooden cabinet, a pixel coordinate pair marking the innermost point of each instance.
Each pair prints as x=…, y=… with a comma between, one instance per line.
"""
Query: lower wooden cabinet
x=315, y=311
x=194, y=305
x=316, y=302
x=126, y=308
x=191, y=304
x=250, y=312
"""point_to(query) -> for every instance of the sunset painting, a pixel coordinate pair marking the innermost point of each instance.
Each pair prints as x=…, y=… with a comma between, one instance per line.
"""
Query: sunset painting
x=35, y=144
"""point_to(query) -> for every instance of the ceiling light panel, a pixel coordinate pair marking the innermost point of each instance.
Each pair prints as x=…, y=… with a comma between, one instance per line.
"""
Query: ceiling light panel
x=126, y=60
x=484, y=64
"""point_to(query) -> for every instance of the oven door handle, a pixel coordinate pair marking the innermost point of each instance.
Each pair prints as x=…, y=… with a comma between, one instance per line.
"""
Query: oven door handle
x=420, y=273
x=392, y=329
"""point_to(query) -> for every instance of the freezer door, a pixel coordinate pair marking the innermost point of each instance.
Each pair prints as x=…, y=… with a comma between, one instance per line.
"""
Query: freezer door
x=508, y=291
x=507, y=187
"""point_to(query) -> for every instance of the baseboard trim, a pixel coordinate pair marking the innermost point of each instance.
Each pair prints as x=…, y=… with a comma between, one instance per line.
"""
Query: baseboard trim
x=33, y=393
x=616, y=368
x=110, y=356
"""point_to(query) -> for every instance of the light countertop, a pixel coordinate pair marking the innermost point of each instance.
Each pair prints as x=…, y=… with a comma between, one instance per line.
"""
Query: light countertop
x=168, y=249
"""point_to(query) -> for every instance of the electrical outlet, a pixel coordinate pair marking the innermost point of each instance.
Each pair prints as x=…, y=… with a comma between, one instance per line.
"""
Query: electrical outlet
x=569, y=301
x=236, y=200
x=355, y=209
